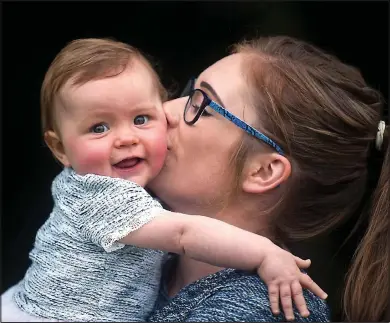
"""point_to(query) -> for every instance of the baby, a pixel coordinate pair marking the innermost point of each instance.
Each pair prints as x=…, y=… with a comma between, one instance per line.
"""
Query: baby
x=98, y=256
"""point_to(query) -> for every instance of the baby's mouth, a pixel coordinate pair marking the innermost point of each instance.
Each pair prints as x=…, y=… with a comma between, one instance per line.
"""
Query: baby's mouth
x=128, y=163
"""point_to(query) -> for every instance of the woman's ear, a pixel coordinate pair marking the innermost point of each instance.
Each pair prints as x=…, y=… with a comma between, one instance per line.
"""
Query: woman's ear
x=265, y=172
x=54, y=142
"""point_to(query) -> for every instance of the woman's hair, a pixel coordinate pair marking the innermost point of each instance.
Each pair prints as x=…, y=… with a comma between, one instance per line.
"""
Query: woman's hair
x=84, y=60
x=325, y=117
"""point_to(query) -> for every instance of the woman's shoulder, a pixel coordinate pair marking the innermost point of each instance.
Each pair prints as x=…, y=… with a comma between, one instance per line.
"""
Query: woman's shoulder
x=253, y=293
x=231, y=295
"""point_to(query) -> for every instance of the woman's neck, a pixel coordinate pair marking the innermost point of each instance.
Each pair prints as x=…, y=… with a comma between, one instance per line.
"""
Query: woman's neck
x=186, y=271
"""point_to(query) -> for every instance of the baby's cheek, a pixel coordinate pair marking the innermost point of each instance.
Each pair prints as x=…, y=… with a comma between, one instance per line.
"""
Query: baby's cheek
x=159, y=153
x=90, y=161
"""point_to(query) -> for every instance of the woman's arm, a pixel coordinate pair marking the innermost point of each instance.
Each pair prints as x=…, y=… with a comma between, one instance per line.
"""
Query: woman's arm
x=221, y=244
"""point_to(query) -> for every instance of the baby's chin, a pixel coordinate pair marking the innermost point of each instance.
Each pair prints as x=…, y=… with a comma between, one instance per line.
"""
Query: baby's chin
x=140, y=179
x=138, y=173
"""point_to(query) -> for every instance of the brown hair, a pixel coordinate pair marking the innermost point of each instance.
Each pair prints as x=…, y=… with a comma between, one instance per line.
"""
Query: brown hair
x=325, y=117
x=84, y=60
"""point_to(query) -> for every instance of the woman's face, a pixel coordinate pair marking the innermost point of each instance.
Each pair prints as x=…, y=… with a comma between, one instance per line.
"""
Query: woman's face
x=197, y=172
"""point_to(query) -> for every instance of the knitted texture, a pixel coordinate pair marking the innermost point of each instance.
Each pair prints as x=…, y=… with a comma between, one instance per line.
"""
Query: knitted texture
x=229, y=296
x=79, y=270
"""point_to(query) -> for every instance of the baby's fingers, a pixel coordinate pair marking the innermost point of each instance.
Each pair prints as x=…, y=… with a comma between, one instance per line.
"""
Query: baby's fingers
x=299, y=300
x=308, y=283
x=273, y=292
x=285, y=297
x=302, y=263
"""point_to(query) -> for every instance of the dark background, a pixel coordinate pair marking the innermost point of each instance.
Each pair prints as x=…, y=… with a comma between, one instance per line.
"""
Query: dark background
x=184, y=38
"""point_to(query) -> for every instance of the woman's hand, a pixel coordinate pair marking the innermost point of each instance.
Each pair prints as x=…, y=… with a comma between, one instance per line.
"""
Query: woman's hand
x=280, y=270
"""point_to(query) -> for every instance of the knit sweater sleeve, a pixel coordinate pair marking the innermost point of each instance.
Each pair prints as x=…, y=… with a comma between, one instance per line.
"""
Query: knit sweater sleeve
x=104, y=209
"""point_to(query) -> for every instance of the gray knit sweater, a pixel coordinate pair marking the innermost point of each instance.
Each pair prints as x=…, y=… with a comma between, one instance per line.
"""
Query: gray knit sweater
x=228, y=296
x=79, y=271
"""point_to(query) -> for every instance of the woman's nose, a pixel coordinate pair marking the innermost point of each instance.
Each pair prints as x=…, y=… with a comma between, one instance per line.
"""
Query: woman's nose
x=174, y=110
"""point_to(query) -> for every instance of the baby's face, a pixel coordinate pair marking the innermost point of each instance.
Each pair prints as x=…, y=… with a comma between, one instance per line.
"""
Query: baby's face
x=114, y=126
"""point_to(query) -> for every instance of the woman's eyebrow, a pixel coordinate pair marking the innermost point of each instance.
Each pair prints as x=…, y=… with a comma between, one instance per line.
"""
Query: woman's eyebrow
x=210, y=88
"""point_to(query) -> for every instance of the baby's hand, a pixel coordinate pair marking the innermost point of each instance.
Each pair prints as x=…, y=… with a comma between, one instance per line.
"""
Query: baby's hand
x=280, y=271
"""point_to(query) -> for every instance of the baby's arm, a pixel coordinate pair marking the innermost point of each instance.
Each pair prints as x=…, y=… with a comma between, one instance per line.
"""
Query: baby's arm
x=202, y=238
x=218, y=243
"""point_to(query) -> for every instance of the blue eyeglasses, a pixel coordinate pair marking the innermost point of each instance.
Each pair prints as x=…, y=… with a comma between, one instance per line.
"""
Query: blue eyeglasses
x=196, y=105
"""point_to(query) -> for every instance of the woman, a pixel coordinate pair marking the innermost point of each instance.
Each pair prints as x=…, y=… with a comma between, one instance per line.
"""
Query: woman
x=295, y=168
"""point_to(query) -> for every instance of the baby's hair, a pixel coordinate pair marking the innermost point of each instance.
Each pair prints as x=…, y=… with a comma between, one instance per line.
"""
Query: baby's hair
x=83, y=60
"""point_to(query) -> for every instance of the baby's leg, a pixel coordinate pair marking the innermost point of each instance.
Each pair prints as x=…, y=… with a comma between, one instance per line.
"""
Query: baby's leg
x=10, y=312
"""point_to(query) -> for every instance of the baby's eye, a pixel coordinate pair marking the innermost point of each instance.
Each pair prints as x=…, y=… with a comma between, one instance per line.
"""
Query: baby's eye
x=141, y=120
x=99, y=128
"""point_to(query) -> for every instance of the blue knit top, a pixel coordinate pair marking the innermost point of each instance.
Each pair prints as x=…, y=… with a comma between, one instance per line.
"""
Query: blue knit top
x=229, y=296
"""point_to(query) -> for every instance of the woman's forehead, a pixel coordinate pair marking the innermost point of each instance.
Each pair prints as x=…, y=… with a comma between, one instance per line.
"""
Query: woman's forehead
x=227, y=80
x=227, y=66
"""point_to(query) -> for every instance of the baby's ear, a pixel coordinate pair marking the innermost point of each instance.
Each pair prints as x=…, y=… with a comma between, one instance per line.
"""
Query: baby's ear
x=54, y=142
